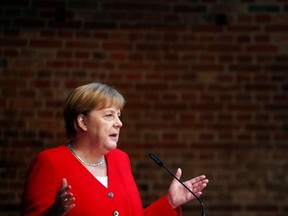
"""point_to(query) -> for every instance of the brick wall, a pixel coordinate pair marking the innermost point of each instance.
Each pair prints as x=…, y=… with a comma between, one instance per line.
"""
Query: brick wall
x=205, y=82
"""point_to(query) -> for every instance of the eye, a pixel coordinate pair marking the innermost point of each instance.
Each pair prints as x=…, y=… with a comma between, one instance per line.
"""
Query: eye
x=109, y=115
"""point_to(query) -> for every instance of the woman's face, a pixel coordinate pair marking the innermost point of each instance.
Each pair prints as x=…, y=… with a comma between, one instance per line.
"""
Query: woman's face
x=103, y=128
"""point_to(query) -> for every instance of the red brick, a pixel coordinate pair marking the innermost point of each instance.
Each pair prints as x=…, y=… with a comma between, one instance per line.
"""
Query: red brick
x=7, y=42
x=262, y=48
x=82, y=44
x=45, y=43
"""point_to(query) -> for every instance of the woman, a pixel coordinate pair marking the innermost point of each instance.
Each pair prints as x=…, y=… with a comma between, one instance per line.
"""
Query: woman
x=89, y=175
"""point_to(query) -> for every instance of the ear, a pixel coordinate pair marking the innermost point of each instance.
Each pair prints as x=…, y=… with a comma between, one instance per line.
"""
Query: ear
x=82, y=122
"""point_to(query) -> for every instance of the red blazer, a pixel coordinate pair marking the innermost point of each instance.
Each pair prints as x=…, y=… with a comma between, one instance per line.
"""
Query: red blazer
x=49, y=167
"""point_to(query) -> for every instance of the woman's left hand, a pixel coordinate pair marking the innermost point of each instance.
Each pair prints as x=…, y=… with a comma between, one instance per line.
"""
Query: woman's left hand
x=178, y=194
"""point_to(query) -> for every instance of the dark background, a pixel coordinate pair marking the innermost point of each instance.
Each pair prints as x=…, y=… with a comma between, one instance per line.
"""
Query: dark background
x=205, y=83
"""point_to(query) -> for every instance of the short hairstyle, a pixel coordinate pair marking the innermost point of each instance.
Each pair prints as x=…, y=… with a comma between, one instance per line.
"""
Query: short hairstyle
x=85, y=98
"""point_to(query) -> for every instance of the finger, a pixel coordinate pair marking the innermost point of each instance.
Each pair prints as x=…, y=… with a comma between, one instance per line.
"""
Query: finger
x=69, y=207
x=199, y=188
x=199, y=193
x=197, y=179
x=178, y=173
x=69, y=204
x=200, y=178
x=64, y=183
x=70, y=201
x=66, y=196
x=196, y=184
x=64, y=186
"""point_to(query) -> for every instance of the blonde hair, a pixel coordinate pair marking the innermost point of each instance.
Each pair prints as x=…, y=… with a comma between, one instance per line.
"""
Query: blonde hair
x=86, y=98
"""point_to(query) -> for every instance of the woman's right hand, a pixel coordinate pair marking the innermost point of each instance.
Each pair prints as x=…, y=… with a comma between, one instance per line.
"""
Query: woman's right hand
x=64, y=200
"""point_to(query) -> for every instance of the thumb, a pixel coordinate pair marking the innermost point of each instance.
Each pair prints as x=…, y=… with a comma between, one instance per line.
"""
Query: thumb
x=64, y=183
x=178, y=173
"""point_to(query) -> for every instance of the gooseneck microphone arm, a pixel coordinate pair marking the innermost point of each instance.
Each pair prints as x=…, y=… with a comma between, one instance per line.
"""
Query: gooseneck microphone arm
x=161, y=164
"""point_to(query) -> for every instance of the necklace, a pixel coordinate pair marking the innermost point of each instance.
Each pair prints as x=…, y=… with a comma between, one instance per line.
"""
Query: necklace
x=84, y=162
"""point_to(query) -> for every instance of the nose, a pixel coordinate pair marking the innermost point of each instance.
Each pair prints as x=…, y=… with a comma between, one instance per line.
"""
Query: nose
x=118, y=122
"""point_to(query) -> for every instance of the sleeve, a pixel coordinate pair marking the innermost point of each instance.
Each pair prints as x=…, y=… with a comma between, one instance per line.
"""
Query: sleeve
x=40, y=187
x=162, y=207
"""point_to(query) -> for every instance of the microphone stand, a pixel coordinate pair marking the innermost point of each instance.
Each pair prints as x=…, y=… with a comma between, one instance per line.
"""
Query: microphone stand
x=161, y=164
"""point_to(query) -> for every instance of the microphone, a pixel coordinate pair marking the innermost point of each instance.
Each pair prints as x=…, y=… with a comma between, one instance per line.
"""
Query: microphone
x=161, y=164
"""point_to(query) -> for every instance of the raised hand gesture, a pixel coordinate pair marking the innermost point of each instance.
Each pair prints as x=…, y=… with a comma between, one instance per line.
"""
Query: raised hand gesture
x=178, y=195
x=64, y=200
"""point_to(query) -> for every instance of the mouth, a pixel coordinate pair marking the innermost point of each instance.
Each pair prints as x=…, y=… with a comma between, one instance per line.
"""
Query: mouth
x=114, y=136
